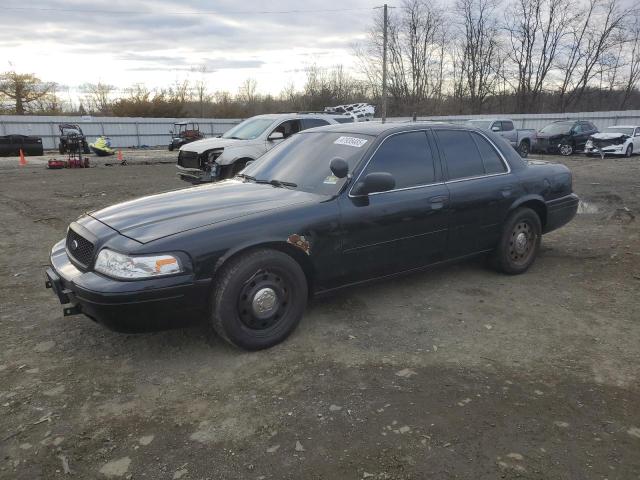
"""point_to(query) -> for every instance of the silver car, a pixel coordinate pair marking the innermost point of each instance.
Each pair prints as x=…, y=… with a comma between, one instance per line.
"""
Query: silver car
x=223, y=157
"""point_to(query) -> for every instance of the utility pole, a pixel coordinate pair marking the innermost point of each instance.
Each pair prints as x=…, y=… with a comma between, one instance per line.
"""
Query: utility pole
x=384, y=66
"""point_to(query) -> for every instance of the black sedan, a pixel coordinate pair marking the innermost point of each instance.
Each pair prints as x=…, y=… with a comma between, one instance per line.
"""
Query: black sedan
x=331, y=207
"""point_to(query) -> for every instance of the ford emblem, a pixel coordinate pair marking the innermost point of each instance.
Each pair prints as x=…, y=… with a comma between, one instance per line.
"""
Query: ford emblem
x=74, y=244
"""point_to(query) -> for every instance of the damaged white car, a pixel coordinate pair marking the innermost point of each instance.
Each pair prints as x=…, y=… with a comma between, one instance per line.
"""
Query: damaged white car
x=616, y=140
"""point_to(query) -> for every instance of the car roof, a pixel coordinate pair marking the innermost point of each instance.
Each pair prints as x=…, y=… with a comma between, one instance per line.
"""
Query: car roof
x=284, y=116
x=623, y=126
x=376, y=127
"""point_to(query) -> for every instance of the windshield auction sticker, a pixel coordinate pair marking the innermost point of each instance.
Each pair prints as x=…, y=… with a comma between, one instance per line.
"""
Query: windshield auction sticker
x=351, y=141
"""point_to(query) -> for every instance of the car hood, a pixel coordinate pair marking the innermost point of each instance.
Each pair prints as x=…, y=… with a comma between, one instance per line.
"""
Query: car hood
x=200, y=146
x=151, y=218
x=609, y=136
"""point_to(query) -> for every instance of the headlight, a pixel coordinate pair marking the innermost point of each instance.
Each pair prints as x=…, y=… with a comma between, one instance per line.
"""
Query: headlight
x=118, y=265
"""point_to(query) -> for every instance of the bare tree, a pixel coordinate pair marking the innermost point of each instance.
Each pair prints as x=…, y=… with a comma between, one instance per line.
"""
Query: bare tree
x=633, y=69
x=98, y=97
x=479, y=49
x=23, y=90
x=593, y=36
x=535, y=30
x=200, y=88
x=248, y=92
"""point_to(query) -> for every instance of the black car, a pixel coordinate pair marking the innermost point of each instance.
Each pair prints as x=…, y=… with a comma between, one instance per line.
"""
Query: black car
x=328, y=208
x=10, y=145
x=564, y=137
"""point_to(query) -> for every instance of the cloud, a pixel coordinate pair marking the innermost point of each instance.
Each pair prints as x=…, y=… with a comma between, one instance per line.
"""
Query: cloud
x=166, y=36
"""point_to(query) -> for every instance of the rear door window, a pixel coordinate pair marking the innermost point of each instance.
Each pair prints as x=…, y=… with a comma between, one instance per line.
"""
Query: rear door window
x=461, y=154
x=490, y=157
x=406, y=156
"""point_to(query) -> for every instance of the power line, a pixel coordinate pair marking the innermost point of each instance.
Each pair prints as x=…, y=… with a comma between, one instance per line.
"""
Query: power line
x=199, y=12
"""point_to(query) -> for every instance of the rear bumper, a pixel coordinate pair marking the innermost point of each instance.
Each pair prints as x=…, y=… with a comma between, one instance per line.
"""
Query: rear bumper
x=131, y=306
x=561, y=211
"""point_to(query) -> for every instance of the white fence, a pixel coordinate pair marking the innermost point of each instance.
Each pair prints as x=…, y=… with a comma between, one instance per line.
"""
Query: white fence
x=123, y=131
x=153, y=132
x=538, y=120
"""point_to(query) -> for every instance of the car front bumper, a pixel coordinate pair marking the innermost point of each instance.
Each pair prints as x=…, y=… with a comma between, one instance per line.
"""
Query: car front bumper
x=196, y=175
x=126, y=306
x=608, y=150
x=561, y=211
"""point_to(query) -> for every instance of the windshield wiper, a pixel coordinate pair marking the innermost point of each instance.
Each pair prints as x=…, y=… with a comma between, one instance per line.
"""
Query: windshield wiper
x=282, y=183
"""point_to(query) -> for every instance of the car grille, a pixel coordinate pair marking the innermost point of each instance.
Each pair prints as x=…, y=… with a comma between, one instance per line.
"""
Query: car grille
x=188, y=159
x=79, y=248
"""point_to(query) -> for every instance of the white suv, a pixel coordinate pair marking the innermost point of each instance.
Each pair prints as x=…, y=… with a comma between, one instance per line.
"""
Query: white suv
x=223, y=157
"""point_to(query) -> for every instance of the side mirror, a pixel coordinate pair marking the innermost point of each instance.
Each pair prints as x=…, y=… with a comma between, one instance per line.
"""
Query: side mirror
x=495, y=128
x=375, y=182
x=249, y=162
x=339, y=167
x=276, y=136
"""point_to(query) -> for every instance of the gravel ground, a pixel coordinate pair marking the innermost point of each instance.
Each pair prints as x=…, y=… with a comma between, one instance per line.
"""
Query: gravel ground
x=458, y=372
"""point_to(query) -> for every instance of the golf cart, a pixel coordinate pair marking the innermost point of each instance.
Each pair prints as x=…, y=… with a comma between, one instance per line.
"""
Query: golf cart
x=72, y=138
x=183, y=133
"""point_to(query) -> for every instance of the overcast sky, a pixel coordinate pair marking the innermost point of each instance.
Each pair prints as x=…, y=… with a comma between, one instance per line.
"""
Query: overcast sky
x=157, y=42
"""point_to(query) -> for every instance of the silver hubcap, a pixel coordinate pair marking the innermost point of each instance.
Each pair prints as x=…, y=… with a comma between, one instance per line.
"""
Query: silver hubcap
x=265, y=302
x=521, y=243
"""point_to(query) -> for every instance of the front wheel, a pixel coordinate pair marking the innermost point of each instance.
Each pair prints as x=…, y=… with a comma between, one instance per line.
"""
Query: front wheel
x=566, y=149
x=259, y=299
x=519, y=244
x=629, y=151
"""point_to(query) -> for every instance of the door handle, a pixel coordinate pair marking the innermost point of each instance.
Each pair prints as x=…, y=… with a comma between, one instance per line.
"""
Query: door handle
x=438, y=202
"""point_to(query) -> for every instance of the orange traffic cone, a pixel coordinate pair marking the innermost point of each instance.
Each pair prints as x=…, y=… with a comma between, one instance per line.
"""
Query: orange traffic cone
x=23, y=161
x=119, y=155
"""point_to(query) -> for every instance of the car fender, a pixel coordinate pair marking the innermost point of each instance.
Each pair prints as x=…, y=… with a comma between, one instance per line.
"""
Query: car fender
x=534, y=201
x=276, y=243
x=231, y=154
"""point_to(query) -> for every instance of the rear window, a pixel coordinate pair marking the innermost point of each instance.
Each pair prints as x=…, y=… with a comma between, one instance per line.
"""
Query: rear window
x=490, y=157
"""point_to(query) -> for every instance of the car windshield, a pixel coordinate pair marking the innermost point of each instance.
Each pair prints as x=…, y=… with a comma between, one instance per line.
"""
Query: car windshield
x=302, y=161
x=249, y=129
x=483, y=124
x=622, y=130
x=557, y=128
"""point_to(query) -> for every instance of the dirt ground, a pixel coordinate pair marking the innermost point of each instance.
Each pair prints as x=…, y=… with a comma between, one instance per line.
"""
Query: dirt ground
x=458, y=372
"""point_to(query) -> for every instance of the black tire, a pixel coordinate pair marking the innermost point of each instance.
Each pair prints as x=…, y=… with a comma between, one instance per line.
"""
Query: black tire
x=239, y=316
x=629, y=151
x=61, y=149
x=512, y=256
x=237, y=167
x=85, y=149
x=566, y=149
x=171, y=147
x=523, y=149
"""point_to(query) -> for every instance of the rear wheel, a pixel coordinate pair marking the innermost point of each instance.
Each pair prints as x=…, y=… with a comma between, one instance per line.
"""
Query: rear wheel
x=519, y=243
x=61, y=149
x=523, y=149
x=259, y=299
x=629, y=151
